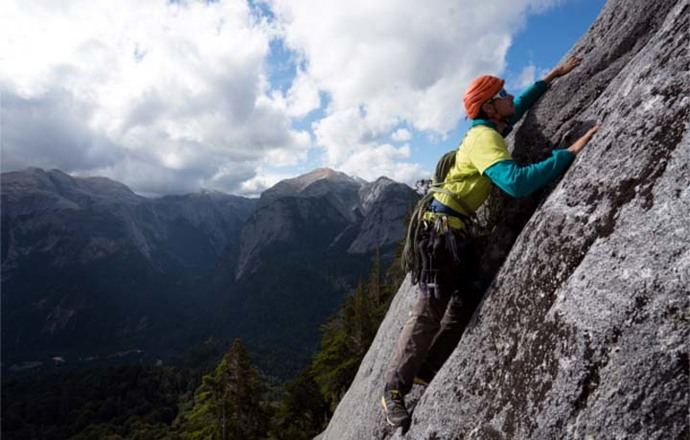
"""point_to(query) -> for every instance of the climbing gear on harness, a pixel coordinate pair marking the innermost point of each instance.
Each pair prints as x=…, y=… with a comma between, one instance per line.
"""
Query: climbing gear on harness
x=422, y=216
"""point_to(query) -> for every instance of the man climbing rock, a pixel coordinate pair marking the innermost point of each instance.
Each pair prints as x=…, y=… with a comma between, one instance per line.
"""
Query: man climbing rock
x=442, y=264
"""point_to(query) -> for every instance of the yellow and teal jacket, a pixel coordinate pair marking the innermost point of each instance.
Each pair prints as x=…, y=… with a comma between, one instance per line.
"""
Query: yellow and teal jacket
x=483, y=159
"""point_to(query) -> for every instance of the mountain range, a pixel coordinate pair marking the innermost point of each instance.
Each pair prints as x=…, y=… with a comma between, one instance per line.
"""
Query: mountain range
x=91, y=270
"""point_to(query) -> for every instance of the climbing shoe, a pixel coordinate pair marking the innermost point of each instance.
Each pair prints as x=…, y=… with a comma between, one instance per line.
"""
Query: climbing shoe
x=393, y=403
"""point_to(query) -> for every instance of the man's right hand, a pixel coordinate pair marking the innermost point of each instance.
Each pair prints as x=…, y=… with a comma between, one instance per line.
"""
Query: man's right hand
x=563, y=69
x=579, y=144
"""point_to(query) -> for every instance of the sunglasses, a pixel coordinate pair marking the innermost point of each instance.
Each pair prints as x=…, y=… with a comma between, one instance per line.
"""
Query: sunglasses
x=501, y=94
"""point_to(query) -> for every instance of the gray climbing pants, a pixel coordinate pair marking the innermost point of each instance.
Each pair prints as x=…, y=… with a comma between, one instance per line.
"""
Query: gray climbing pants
x=444, y=306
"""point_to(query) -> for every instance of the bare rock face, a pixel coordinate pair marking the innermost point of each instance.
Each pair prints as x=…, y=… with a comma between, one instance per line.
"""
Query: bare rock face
x=385, y=204
x=584, y=331
x=329, y=210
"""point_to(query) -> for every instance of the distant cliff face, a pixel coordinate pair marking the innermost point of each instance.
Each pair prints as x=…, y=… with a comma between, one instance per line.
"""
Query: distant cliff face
x=584, y=331
x=325, y=212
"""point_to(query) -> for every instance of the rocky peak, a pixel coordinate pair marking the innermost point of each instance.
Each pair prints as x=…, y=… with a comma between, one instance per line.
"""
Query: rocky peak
x=65, y=189
x=298, y=184
x=369, y=193
x=368, y=215
x=92, y=218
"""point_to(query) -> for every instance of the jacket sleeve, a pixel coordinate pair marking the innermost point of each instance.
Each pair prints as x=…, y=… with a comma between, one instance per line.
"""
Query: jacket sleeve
x=519, y=181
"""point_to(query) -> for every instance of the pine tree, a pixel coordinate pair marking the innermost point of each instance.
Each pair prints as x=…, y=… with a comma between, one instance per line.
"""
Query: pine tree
x=303, y=413
x=335, y=365
x=346, y=337
x=227, y=405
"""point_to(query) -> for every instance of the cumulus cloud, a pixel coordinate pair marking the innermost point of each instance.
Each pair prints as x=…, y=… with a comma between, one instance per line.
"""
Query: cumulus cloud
x=165, y=96
x=352, y=146
x=383, y=160
x=392, y=61
x=303, y=96
x=263, y=180
x=401, y=59
x=172, y=96
x=50, y=131
x=526, y=77
x=401, y=135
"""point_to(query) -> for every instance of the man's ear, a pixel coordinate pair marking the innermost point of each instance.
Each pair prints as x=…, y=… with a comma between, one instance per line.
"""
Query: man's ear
x=488, y=109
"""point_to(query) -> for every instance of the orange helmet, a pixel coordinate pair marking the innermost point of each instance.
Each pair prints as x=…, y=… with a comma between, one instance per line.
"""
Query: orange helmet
x=480, y=90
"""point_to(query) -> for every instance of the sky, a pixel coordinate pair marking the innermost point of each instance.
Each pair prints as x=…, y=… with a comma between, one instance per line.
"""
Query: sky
x=173, y=97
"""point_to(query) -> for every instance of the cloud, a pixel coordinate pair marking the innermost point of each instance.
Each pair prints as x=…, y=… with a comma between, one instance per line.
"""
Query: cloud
x=526, y=77
x=303, y=97
x=173, y=96
x=263, y=180
x=401, y=135
x=164, y=96
x=389, y=62
x=383, y=160
x=353, y=147
x=50, y=131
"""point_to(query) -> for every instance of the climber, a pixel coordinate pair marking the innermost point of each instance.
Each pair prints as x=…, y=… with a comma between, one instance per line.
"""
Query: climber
x=444, y=304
